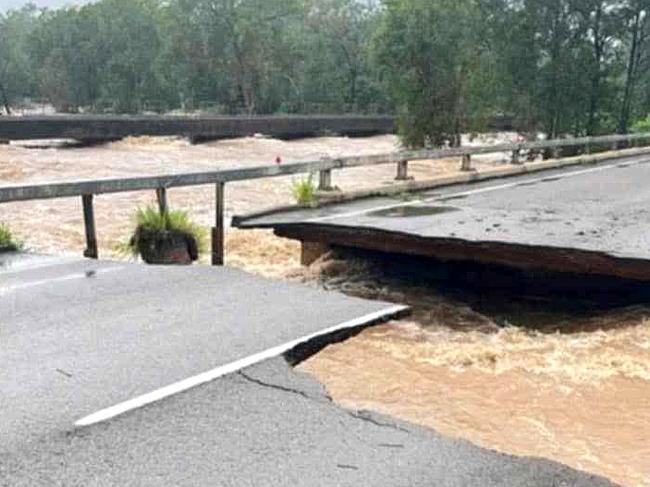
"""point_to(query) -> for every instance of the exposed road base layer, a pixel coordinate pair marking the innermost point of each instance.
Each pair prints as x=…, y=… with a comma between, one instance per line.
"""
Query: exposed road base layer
x=529, y=258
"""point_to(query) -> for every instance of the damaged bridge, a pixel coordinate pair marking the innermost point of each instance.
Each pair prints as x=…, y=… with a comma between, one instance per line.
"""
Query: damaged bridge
x=589, y=219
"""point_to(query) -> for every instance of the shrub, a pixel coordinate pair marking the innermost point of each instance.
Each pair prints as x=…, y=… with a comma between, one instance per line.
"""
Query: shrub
x=642, y=125
x=304, y=190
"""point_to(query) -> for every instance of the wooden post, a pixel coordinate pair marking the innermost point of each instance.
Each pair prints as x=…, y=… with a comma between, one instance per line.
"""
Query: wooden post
x=218, y=230
x=161, y=196
x=467, y=163
x=325, y=180
x=89, y=223
x=402, y=171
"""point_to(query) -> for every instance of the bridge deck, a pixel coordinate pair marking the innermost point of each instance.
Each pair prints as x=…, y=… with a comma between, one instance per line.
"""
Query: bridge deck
x=590, y=219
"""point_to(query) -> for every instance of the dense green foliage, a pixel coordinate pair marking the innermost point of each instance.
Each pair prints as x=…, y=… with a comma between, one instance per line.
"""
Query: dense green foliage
x=445, y=66
x=642, y=126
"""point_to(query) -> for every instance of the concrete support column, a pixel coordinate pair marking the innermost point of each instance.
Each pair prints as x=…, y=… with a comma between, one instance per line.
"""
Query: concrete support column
x=310, y=252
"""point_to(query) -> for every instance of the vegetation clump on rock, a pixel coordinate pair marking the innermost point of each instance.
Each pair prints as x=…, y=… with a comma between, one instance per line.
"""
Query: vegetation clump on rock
x=168, y=237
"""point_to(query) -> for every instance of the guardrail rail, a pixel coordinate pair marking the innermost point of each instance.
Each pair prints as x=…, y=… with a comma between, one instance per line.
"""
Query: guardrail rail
x=88, y=189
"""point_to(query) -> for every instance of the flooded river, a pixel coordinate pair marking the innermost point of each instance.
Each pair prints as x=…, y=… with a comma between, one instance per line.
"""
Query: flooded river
x=527, y=375
x=520, y=374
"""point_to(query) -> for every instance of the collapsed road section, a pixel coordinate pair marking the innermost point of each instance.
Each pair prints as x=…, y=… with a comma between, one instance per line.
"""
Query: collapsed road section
x=590, y=219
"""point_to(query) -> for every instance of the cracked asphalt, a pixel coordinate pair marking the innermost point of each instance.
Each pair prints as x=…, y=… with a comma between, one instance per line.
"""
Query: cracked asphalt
x=267, y=426
x=79, y=335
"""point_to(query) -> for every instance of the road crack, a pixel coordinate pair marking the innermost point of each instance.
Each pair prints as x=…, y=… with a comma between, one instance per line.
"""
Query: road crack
x=366, y=416
x=275, y=386
x=360, y=415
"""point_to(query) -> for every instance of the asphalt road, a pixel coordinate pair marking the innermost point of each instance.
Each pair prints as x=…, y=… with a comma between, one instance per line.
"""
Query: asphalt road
x=601, y=208
x=77, y=336
x=267, y=426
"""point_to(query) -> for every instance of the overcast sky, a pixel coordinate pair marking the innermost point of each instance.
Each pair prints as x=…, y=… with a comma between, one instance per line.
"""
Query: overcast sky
x=9, y=4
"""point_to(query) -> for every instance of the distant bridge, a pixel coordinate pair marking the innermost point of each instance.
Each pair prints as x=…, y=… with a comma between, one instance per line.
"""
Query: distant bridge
x=102, y=128
x=98, y=128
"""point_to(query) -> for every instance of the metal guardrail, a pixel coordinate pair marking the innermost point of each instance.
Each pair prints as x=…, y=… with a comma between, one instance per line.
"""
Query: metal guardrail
x=87, y=189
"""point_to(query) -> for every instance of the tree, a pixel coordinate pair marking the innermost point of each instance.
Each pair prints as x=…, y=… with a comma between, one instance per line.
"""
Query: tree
x=432, y=58
x=337, y=38
x=637, y=39
x=16, y=78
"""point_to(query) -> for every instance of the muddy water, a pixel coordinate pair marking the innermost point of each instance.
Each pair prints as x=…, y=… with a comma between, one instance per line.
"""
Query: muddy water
x=56, y=226
x=524, y=379
x=572, y=385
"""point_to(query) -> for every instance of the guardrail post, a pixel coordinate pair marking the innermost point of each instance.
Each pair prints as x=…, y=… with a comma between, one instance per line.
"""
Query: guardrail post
x=161, y=196
x=325, y=180
x=89, y=224
x=515, y=157
x=218, y=230
x=402, y=170
x=466, y=165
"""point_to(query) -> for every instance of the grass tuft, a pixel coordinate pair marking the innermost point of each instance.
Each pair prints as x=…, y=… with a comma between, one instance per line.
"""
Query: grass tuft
x=304, y=190
x=150, y=220
x=7, y=239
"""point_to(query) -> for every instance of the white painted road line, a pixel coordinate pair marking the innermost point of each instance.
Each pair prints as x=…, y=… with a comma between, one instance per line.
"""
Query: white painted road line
x=70, y=277
x=230, y=368
x=37, y=265
x=471, y=192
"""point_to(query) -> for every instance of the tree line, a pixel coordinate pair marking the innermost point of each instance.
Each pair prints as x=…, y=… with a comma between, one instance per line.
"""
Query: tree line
x=578, y=67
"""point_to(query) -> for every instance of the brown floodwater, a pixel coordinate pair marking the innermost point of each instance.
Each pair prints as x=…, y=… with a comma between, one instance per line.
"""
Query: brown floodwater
x=522, y=375
x=518, y=376
x=57, y=225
